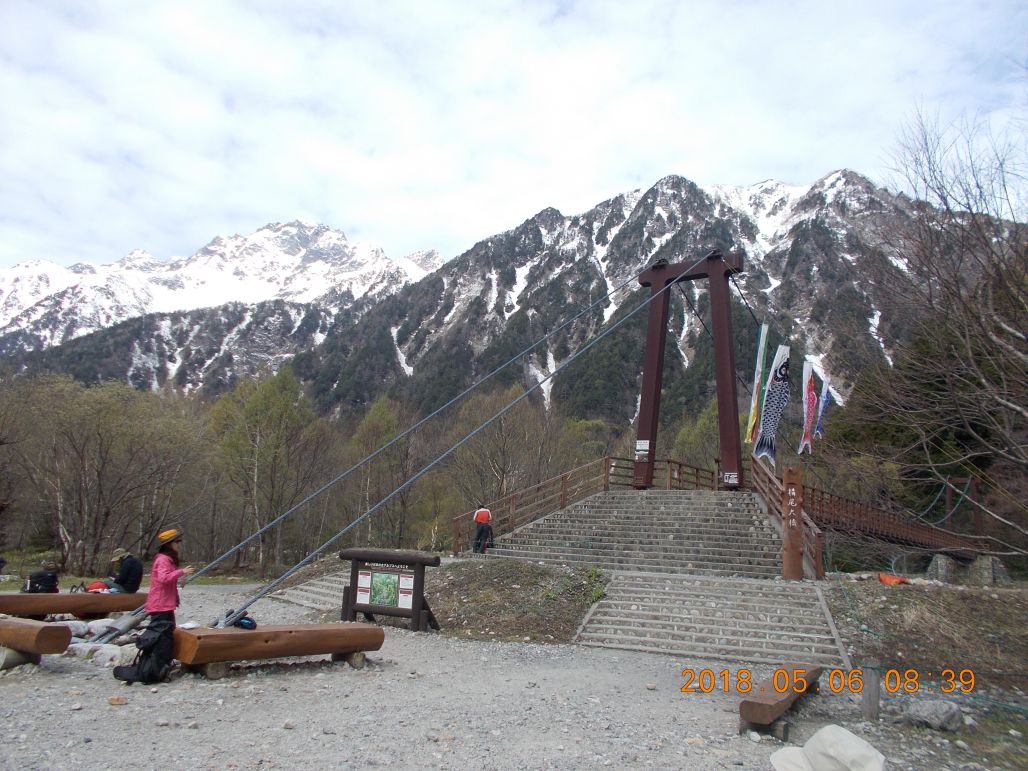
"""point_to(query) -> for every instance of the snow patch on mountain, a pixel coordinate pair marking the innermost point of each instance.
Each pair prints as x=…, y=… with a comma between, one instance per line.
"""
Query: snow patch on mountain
x=544, y=377
x=520, y=282
x=873, y=327
x=769, y=204
x=407, y=368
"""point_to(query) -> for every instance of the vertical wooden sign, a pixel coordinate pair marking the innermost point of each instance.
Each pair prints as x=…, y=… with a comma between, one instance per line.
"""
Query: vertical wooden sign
x=792, y=524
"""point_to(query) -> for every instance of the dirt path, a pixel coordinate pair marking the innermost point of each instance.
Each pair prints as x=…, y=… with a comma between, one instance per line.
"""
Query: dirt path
x=424, y=701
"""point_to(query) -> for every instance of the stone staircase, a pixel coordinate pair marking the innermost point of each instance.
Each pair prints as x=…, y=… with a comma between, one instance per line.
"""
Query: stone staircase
x=688, y=531
x=694, y=573
x=717, y=617
x=325, y=593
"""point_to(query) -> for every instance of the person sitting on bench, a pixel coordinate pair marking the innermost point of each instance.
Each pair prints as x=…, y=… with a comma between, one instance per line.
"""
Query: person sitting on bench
x=129, y=575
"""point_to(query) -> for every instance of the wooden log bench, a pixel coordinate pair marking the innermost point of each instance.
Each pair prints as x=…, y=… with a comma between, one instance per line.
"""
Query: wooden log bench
x=80, y=604
x=209, y=651
x=762, y=708
x=23, y=641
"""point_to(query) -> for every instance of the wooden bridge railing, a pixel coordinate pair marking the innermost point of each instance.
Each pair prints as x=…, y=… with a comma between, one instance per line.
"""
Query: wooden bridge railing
x=821, y=510
x=512, y=511
x=836, y=513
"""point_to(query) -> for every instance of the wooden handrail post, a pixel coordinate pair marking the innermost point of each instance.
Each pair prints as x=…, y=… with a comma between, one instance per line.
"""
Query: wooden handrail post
x=563, y=491
x=607, y=463
x=792, y=524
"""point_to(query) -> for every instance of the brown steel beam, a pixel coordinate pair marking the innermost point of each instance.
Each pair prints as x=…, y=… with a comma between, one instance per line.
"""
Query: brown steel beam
x=659, y=277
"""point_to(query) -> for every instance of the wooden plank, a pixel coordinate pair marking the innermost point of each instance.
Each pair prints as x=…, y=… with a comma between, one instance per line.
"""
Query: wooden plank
x=19, y=604
x=204, y=646
x=763, y=705
x=27, y=636
x=391, y=556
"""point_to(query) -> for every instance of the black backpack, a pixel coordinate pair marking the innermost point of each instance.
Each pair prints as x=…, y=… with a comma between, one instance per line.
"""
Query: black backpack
x=41, y=582
x=153, y=662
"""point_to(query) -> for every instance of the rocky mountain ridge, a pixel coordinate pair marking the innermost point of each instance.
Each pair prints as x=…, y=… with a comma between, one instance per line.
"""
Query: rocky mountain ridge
x=43, y=304
x=815, y=256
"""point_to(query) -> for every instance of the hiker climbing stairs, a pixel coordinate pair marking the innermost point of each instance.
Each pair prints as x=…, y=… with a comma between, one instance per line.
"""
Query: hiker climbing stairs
x=682, y=531
x=714, y=617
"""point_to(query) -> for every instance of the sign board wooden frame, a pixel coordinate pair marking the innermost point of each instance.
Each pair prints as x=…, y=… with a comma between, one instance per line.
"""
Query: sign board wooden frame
x=389, y=582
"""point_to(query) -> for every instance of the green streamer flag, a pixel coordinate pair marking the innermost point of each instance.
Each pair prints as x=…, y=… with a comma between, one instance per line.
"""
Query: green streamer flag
x=758, y=386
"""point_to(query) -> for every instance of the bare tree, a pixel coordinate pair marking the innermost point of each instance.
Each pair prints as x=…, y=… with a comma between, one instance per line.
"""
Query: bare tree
x=102, y=466
x=955, y=399
x=500, y=458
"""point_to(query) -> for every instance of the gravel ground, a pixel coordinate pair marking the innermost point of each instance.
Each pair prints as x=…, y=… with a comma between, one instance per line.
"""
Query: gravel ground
x=423, y=701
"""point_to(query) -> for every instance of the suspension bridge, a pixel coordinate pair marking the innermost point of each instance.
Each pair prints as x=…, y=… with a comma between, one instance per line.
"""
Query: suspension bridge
x=694, y=553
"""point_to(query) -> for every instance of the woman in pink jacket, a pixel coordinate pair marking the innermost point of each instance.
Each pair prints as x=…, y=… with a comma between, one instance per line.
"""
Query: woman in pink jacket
x=162, y=598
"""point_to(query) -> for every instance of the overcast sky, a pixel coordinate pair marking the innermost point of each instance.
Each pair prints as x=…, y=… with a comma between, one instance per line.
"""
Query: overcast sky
x=421, y=124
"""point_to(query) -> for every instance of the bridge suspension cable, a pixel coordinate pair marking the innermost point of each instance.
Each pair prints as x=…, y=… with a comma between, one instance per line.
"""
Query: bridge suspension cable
x=359, y=464
x=233, y=615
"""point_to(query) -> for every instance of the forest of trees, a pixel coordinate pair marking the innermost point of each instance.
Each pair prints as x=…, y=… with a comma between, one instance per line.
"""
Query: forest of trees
x=86, y=469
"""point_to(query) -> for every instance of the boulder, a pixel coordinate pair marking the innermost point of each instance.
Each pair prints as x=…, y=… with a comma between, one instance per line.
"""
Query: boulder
x=99, y=626
x=78, y=628
x=939, y=714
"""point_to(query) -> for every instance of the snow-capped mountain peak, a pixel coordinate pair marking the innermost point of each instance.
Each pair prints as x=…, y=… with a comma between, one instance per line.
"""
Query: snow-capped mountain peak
x=295, y=261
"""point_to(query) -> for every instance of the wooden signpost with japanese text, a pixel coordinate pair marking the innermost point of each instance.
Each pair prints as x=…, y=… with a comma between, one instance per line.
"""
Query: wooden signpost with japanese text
x=792, y=524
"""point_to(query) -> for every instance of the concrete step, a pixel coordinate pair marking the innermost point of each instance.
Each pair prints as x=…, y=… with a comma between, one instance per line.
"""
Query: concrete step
x=323, y=593
x=771, y=623
x=674, y=593
x=723, y=618
x=703, y=607
x=676, y=548
x=740, y=535
x=724, y=637
x=717, y=590
x=649, y=519
x=628, y=557
x=670, y=568
x=715, y=652
x=625, y=555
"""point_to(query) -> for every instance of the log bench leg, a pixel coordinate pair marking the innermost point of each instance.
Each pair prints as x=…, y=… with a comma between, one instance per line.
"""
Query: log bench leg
x=778, y=729
x=212, y=671
x=357, y=660
x=11, y=658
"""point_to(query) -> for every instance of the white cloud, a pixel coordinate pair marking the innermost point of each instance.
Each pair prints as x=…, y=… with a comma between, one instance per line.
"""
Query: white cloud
x=159, y=125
